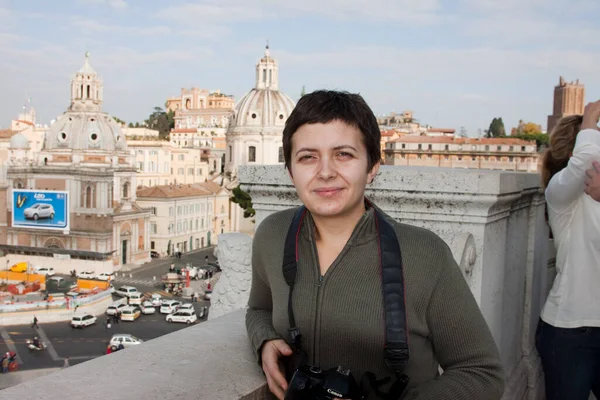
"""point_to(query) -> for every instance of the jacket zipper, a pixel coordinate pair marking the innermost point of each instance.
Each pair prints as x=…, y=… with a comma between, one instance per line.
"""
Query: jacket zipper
x=317, y=325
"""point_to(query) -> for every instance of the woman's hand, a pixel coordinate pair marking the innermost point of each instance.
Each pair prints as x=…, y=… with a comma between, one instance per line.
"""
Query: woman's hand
x=591, y=116
x=271, y=354
x=592, y=182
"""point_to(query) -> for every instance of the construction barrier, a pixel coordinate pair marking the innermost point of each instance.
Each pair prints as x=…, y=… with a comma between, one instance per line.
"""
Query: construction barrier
x=91, y=284
x=22, y=277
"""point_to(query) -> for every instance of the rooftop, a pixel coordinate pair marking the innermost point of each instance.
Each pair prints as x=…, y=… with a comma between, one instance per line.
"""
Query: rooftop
x=455, y=140
x=179, y=190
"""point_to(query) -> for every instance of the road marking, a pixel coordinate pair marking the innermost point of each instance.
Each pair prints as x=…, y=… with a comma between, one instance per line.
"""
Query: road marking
x=48, y=343
x=11, y=346
x=14, y=333
x=60, y=341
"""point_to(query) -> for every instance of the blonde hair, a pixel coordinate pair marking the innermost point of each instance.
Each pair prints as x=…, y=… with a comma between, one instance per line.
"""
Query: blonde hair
x=562, y=143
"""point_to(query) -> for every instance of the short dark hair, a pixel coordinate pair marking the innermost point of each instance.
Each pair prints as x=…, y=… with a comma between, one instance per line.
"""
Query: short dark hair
x=324, y=106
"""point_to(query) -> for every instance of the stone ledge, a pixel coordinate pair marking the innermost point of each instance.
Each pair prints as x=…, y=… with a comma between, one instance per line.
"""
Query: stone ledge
x=212, y=360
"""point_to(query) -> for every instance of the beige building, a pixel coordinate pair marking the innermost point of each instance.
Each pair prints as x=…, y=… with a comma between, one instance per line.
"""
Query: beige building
x=451, y=152
x=85, y=154
x=200, y=108
x=186, y=216
x=139, y=133
x=569, y=99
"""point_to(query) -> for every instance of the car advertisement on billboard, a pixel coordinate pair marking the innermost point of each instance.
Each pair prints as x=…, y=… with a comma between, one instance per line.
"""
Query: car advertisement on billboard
x=41, y=209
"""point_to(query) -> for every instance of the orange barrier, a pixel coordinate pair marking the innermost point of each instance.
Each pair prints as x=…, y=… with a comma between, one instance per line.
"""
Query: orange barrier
x=91, y=284
x=22, y=277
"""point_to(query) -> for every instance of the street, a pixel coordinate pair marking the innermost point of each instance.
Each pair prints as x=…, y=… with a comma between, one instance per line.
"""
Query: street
x=90, y=342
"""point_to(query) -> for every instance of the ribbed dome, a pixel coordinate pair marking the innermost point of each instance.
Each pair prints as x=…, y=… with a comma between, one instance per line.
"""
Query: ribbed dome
x=19, y=141
x=85, y=131
x=262, y=108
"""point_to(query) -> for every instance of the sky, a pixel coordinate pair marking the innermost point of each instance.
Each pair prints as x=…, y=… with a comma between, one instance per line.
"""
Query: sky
x=454, y=63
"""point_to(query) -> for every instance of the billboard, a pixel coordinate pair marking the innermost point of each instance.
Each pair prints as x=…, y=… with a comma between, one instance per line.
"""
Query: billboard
x=40, y=209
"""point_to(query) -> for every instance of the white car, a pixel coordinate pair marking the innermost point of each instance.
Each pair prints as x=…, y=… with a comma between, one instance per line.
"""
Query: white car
x=86, y=275
x=113, y=308
x=130, y=313
x=186, y=307
x=156, y=300
x=125, y=291
x=147, y=308
x=39, y=210
x=49, y=271
x=189, y=317
x=105, y=276
x=125, y=339
x=136, y=298
x=82, y=320
x=169, y=306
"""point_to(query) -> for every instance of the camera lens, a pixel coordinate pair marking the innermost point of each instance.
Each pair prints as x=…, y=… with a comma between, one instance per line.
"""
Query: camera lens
x=315, y=370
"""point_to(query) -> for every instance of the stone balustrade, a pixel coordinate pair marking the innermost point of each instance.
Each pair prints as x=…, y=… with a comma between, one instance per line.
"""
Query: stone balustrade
x=492, y=220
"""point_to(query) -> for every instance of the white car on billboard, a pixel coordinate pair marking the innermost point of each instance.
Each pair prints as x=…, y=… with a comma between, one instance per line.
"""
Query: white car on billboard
x=39, y=210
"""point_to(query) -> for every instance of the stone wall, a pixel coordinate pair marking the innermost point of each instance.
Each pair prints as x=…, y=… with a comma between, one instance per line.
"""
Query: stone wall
x=494, y=223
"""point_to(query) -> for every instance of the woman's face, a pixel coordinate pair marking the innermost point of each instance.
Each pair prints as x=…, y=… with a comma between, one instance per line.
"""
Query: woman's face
x=329, y=168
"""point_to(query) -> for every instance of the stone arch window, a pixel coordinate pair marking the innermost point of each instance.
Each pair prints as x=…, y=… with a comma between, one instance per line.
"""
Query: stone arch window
x=222, y=211
x=252, y=154
x=188, y=104
x=54, y=243
x=110, y=195
x=88, y=92
x=126, y=190
x=81, y=92
x=280, y=156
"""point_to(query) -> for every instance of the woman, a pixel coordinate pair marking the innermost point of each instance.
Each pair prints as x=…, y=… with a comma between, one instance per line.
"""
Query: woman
x=568, y=335
x=331, y=145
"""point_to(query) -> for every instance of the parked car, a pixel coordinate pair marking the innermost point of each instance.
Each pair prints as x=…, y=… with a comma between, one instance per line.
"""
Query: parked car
x=156, y=300
x=207, y=295
x=113, y=308
x=125, y=339
x=154, y=254
x=147, y=308
x=125, y=291
x=82, y=320
x=58, y=280
x=105, y=276
x=19, y=267
x=130, y=313
x=39, y=210
x=86, y=275
x=189, y=317
x=48, y=271
x=169, y=306
x=135, y=298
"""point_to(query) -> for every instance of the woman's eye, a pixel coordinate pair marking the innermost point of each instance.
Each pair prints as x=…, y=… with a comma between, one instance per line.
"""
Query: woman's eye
x=304, y=158
x=344, y=154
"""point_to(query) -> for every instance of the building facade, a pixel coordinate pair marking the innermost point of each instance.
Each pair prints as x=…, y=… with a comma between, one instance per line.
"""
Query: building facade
x=200, y=108
x=569, y=99
x=85, y=154
x=451, y=152
x=186, y=216
x=255, y=133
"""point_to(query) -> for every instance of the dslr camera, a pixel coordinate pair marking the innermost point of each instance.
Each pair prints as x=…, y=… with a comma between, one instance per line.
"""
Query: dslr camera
x=311, y=383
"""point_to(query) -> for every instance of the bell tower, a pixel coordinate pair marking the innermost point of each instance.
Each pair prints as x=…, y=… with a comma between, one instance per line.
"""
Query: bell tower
x=267, y=72
x=86, y=89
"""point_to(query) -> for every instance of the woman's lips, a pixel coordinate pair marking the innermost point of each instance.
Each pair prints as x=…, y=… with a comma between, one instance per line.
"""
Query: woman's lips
x=327, y=192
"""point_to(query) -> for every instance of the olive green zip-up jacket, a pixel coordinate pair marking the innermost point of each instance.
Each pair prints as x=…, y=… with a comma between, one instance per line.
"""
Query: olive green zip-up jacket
x=340, y=314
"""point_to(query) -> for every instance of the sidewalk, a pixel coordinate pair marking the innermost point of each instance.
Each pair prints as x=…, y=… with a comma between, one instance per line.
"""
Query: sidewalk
x=127, y=268
x=14, y=378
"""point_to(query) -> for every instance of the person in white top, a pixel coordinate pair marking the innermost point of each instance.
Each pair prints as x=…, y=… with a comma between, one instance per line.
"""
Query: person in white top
x=568, y=335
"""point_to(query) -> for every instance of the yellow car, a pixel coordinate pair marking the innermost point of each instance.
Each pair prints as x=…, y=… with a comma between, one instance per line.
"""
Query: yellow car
x=20, y=267
x=130, y=313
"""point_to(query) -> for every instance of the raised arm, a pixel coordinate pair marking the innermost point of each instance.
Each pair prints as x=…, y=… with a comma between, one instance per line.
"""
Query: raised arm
x=463, y=343
x=568, y=184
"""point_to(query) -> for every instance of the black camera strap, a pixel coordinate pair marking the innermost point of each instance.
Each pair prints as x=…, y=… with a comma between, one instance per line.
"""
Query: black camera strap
x=396, y=352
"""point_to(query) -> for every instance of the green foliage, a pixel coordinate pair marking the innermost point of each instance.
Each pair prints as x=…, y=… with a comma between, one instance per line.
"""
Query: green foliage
x=119, y=120
x=541, y=139
x=496, y=128
x=244, y=200
x=130, y=125
x=161, y=121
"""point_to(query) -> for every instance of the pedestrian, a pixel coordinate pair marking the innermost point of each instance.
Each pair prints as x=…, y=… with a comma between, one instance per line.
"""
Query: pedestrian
x=206, y=260
x=66, y=363
x=121, y=347
x=568, y=332
x=172, y=267
x=35, y=322
x=5, y=362
x=107, y=326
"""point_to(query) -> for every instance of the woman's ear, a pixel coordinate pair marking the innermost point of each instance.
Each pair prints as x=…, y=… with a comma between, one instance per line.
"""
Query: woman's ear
x=373, y=173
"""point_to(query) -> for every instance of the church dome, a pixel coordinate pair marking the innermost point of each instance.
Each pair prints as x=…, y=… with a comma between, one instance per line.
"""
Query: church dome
x=19, y=141
x=84, y=126
x=264, y=106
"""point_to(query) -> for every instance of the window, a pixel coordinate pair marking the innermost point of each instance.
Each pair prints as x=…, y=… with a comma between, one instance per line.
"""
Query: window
x=181, y=157
x=222, y=209
x=229, y=153
x=191, y=171
x=166, y=167
x=178, y=227
x=126, y=191
x=487, y=147
x=140, y=152
x=152, y=245
x=202, y=223
x=171, y=171
x=170, y=228
x=140, y=166
x=430, y=147
x=180, y=171
x=199, y=171
x=510, y=159
x=511, y=148
x=522, y=148
x=420, y=147
x=153, y=227
x=280, y=159
x=403, y=146
x=197, y=223
x=88, y=197
x=178, y=210
x=152, y=166
x=251, y=154
x=429, y=156
x=473, y=158
x=419, y=156
x=446, y=157
x=170, y=211
x=197, y=208
x=486, y=158
x=185, y=226
x=446, y=147
x=499, y=148
x=210, y=208
x=459, y=158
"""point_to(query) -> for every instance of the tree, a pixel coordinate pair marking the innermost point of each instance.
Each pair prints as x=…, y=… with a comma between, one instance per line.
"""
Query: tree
x=119, y=120
x=529, y=128
x=130, y=125
x=303, y=92
x=463, y=132
x=244, y=200
x=161, y=121
x=541, y=139
x=496, y=128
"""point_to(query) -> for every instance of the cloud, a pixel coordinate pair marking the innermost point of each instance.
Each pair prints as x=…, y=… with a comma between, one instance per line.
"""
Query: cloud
x=116, y=4
x=224, y=11
x=89, y=26
x=4, y=14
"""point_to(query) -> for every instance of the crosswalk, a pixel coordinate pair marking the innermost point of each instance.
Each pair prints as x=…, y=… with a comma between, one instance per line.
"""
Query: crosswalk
x=161, y=292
